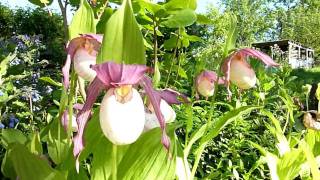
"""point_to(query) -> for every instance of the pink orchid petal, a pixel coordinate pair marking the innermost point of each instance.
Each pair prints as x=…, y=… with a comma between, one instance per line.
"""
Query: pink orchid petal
x=172, y=96
x=78, y=106
x=119, y=74
x=65, y=72
x=94, y=90
x=155, y=99
x=259, y=55
x=210, y=75
x=72, y=47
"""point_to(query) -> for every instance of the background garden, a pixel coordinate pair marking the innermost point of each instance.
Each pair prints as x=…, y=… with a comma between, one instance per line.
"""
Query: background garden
x=258, y=134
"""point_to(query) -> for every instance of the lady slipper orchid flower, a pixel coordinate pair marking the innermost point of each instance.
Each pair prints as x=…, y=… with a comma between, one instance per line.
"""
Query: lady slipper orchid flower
x=82, y=51
x=239, y=72
x=122, y=115
x=205, y=82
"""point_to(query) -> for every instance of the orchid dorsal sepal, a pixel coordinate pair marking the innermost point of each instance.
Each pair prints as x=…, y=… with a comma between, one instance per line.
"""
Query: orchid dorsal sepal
x=88, y=46
x=238, y=71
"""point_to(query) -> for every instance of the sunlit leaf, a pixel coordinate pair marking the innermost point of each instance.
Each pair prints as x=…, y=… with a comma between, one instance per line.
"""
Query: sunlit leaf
x=181, y=18
x=123, y=40
x=83, y=21
x=29, y=166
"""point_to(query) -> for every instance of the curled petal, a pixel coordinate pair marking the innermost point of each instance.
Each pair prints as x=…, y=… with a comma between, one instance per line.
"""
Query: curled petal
x=72, y=47
x=114, y=74
x=267, y=60
x=155, y=99
x=173, y=97
x=93, y=92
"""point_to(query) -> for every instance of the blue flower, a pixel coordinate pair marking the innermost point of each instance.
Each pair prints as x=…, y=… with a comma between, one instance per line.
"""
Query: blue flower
x=11, y=124
x=1, y=93
x=12, y=121
x=2, y=126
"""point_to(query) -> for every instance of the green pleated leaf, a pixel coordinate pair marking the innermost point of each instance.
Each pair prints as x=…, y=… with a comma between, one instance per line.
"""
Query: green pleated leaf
x=181, y=18
x=148, y=159
x=7, y=168
x=123, y=40
x=58, y=143
x=29, y=166
x=231, y=36
x=145, y=159
x=35, y=144
x=10, y=136
x=83, y=21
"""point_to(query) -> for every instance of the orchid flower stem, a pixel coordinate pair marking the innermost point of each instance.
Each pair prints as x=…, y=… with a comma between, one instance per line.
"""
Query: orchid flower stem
x=172, y=58
x=307, y=102
x=31, y=111
x=71, y=100
x=114, y=162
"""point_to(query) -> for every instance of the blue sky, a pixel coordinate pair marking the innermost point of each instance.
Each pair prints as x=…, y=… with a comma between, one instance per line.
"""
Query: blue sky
x=202, y=4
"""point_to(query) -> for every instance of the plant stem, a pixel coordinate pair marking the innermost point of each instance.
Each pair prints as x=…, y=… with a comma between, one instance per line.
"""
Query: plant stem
x=307, y=102
x=173, y=57
x=114, y=162
x=155, y=42
x=71, y=101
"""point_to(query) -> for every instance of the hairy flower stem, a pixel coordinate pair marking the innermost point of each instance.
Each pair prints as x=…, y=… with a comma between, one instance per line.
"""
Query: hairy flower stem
x=172, y=58
x=71, y=101
x=203, y=142
x=114, y=162
x=155, y=42
x=307, y=102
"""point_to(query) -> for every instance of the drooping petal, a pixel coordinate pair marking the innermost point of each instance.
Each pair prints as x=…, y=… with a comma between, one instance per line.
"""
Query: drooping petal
x=267, y=60
x=94, y=90
x=173, y=97
x=119, y=74
x=72, y=47
x=155, y=99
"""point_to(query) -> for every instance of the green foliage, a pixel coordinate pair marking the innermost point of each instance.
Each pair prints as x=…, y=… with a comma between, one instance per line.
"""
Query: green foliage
x=83, y=21
x=123, y=41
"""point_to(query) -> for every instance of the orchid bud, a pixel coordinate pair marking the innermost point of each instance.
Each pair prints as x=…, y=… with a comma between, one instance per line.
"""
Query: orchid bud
x=241, y=74
x=82, y=62
x=122, y=115
x=152, y=120
x=205, y=82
